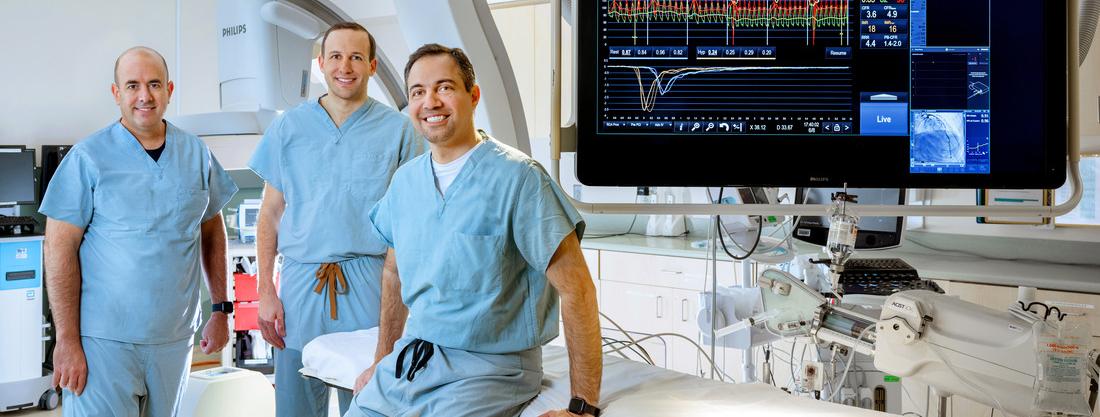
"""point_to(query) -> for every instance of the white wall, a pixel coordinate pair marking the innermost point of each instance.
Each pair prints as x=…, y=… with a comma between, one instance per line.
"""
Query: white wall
x=526, y=34
x=59, y=56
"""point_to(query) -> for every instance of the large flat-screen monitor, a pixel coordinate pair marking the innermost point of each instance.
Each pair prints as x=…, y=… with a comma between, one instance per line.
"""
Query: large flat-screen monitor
x=874, y=232
x=871, y=93
x=17, y=176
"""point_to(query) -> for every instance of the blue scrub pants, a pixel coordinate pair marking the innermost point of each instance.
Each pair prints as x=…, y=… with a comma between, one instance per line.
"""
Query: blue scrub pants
x=307, y=316
x=130, y=380
x=452, y=383
x=296, y=395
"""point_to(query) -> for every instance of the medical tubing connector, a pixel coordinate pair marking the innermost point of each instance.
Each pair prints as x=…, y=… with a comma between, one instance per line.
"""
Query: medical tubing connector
x=753, y=321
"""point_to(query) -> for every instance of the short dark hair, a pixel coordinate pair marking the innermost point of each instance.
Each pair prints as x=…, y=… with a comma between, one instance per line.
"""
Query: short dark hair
x=349, y=26
x=142, y=49
x=460, y=58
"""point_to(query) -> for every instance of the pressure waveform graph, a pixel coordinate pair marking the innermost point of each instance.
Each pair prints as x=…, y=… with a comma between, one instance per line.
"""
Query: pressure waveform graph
x=671, y=19
x=729, y=90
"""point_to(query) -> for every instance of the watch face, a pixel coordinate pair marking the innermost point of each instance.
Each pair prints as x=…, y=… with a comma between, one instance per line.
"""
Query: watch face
x=581, y=407
x=576, y=406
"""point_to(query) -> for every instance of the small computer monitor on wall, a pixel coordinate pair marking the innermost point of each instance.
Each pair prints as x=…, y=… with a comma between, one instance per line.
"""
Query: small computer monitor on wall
x=874, y=232
x=17, y=176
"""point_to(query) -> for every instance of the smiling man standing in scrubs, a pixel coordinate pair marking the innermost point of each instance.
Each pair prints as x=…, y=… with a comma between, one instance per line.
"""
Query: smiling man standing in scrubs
x=484, y=243
x=325, y=163
x=134, y=212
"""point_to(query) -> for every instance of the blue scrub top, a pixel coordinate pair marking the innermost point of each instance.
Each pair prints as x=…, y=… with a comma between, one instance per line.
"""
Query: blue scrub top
x=330, y=177
x=473, y=262
x=139, y=261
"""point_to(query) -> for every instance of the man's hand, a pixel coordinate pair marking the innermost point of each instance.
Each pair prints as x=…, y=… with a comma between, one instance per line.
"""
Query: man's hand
x=216, y=333
x=271, y=320
x=558, y=413
x=364, y=378
x=70, y=367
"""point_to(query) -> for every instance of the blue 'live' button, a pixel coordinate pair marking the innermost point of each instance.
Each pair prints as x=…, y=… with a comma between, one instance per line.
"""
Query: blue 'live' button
x=888, y=119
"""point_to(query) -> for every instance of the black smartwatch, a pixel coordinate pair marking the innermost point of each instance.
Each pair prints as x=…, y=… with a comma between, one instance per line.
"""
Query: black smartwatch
x=224, y=307
x=581, y=407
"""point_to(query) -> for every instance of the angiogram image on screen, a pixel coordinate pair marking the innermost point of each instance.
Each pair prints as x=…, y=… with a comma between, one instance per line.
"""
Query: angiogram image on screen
x=938, y=138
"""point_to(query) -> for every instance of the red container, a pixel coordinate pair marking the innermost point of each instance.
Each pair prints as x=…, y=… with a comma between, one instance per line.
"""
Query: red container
x=245, y=315
x=244, y=287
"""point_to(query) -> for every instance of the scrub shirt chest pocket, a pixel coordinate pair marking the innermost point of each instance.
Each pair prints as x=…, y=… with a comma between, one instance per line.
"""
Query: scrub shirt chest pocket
x=190, y=190
x=126, y=200
x=192, y=202
x=475, y=263
x=370, y=174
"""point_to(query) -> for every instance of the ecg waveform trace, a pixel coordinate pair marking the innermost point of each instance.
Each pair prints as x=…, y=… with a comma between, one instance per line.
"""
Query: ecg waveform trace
x=755, y=14
x=664, y=80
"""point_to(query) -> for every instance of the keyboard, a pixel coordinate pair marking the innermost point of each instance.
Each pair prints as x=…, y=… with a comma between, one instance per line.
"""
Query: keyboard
x=16, y=225
x=884, y=276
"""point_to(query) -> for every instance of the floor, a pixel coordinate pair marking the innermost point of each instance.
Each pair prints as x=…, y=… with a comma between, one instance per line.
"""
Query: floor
x=333, y=411
x=35, y=413
x=198, y=357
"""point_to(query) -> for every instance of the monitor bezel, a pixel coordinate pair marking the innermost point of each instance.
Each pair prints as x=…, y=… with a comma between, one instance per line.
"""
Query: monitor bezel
x=765, y=160
x=34, y=176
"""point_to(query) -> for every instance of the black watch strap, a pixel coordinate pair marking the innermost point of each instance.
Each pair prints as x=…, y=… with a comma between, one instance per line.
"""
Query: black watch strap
x=581, y=407
x=224, y=307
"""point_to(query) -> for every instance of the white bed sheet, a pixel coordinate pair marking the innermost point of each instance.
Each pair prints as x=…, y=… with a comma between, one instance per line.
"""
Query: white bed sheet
x=339, y=358
x=629, y=388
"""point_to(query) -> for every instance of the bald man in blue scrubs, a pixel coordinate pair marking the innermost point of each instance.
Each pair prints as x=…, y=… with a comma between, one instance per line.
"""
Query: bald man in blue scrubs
x=133, y=211
x=484, y=243
x=325, y=163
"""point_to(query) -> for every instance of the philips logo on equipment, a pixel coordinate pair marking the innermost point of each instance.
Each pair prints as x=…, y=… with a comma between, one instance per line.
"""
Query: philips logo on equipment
x=233, y=31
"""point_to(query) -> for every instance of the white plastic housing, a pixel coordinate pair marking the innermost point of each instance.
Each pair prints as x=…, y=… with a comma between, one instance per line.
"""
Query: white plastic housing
x=260, y=66
x=992, y=351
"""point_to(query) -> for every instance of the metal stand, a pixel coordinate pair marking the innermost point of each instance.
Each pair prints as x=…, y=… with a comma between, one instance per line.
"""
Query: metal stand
x=941, y=409
x=748, y=367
